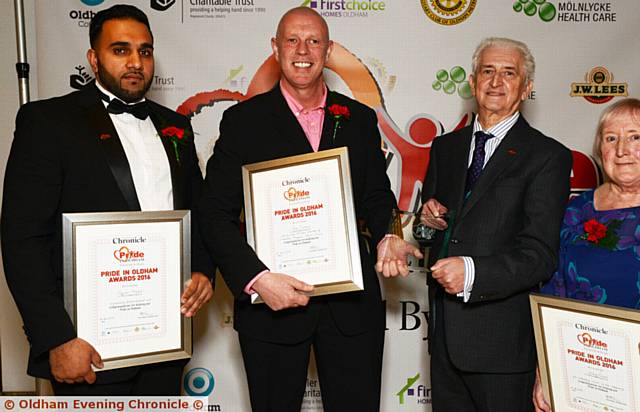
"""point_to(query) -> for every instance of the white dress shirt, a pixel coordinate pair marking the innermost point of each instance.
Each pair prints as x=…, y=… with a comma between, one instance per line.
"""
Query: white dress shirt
x=499, y=131
x=147, y=159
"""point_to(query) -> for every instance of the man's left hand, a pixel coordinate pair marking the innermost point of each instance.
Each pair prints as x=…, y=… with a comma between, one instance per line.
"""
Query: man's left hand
x=449, y=272
x=198, y=292
x=392, y=256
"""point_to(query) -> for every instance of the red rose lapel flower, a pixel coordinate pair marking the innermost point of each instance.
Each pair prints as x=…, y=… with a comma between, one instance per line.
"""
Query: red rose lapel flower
x=339, y=113
x=176, y=136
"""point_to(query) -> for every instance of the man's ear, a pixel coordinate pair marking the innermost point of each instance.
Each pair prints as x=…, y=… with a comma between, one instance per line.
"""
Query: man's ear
x=472, y=84
x=92, y=58
x=274, y=48
x=527, y=90
x=329, y=50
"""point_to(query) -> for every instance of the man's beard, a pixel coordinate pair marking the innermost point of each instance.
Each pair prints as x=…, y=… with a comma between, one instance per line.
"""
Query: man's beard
x=113, y=85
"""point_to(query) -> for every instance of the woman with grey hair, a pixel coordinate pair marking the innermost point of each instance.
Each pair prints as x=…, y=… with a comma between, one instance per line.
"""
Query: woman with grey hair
x=600, y=235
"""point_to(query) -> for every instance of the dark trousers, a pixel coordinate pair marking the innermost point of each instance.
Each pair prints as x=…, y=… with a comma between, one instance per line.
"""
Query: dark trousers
x=349, y=369
x=460, y=391
x=157, y=379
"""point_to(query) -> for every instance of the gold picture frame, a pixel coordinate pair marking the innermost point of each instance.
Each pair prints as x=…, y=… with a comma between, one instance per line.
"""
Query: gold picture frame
x=588, y=354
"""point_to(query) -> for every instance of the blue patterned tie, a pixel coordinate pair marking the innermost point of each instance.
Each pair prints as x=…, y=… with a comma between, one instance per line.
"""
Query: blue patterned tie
x=473, y=174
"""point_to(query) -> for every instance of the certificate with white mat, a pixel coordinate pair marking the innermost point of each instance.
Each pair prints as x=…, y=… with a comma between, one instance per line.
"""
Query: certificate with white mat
x=588, y=354
x=301, y=221
x=124, y=273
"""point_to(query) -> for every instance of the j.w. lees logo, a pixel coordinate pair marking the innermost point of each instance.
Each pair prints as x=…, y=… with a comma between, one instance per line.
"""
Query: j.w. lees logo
x=590, y=342
x=598, y=87
x=292, y=194
x=124, y=254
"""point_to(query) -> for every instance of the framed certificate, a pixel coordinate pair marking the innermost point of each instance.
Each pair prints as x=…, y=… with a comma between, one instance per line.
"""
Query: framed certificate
x=301, y=220
x=588, y=354
x=124, y=273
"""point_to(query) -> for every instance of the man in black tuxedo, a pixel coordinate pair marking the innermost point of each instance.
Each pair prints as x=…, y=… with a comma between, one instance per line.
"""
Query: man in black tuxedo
x=496, y=192
x=346, y=330
x=95, y=150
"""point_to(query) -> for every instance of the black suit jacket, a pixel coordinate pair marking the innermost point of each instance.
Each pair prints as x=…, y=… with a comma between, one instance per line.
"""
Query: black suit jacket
x=510, y=226
x=67, y=157
x=264, y=128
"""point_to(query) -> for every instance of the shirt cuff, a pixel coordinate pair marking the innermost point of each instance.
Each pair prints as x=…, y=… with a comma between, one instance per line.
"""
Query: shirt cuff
x=469, y=277
x=249, y=288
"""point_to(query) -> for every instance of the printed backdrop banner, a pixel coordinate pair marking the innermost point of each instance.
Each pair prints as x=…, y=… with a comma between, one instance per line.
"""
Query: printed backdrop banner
x=409, y=60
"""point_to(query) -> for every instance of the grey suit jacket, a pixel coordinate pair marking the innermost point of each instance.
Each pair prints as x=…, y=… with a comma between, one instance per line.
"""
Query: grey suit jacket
x=510, y=226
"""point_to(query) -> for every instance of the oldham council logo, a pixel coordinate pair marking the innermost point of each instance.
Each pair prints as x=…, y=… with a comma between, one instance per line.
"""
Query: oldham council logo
x=448, y=12
x=599, y=87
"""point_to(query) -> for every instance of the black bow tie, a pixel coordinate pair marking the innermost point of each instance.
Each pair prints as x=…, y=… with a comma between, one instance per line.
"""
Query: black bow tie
x=117, y=106
x=139, y=110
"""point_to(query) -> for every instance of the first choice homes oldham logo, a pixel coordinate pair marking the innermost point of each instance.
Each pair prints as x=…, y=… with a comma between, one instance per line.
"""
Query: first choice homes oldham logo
x=599, y=87
x=448, y=12
x=411, y=391
x=346, y=8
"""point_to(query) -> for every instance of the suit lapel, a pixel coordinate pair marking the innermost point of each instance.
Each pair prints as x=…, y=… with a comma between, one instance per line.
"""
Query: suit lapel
x=177, y=169
x=326, y=140
x=109, y=141
x=287, y=125
x=458, y=164
x=509, y=150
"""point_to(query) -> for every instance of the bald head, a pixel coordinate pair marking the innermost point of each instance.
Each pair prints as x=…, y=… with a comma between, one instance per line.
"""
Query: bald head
x=302, y=48
x=297, y=12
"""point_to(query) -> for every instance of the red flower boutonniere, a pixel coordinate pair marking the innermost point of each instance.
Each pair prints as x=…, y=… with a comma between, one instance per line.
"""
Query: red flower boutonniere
x=176, y=136
x=602, y=235
x=339, y=112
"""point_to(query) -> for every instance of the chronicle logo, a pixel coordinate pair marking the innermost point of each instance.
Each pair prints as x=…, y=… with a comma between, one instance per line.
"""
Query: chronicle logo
x=448, y=12
x=598, y=87
x=81, y=79
x=410, y=389
x=124, y=254
x=198, y=382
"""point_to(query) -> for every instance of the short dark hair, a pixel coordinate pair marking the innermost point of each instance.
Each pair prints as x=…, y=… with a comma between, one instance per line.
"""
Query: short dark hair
x=119, y=11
